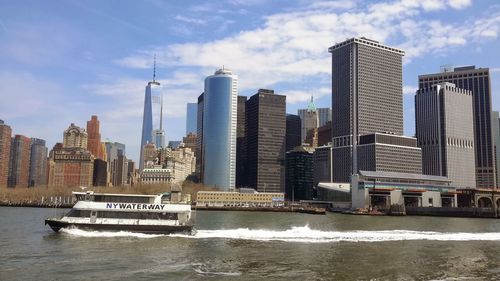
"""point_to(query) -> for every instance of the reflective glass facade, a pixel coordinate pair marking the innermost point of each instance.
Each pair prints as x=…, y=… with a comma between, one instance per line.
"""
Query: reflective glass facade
x=147, y=119
x=219, y=130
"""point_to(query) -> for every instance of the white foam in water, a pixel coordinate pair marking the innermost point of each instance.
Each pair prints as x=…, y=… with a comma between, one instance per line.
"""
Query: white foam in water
x=306, y=235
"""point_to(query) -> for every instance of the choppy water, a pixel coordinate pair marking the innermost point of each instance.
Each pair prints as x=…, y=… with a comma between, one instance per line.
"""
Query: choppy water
x=255, y=246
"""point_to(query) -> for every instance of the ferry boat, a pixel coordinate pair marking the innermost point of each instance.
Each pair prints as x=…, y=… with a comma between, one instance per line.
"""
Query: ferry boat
x=151, y=214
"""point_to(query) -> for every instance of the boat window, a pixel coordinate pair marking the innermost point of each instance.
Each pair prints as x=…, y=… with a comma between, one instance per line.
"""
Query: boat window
x=122, y=199
x=79, y=213
x=135, y=215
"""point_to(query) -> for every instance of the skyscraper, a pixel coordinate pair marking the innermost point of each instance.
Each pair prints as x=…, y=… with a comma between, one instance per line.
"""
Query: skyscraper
x=241, y=143
x=367, y=97
x=445, y=132
x=94, y=137
x=477, y=81
x=293, y=131
x=324, y=116
x=300, y=173
x=5, y=142
x=152, y=90
x=199, y=138
x=265, y=134
x=191, y=113
x=219, y=129
x=20, y=153
x=310, y=121
x=495, y=123
x=38, y=163
x=75, y=137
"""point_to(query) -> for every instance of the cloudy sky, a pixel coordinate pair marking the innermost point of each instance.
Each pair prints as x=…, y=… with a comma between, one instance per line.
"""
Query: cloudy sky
x=62, y=61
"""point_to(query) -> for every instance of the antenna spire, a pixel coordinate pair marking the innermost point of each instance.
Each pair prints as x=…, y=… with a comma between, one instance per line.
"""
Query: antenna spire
x=154, y=68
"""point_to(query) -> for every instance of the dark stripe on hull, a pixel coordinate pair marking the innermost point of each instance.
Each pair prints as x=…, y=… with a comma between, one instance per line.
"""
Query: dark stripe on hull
x=147, y=229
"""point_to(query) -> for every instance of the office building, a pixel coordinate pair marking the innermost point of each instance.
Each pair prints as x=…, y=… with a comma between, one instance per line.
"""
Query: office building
x=300, y=174
x=265, y=134
x=293, y=131
x=309, y=123
x=477, y=81
x=241, y=143
x=173, y=144
x=153, y=89
x=100, y=173
x=199, y=138
x=191, y=118
x=367, y=98
x=94, y=138
x=38, y=163
x=19, y=167
x=71, y=164
x=75, y=137
x=189, y=141
x=219, y=130
x=113, y=150
x=495, y=123
x=119, y=171
x=322, y=162
x=388, y=153
x=325, y=134
x=324, y=116
x=445, y=132
x=5, y=142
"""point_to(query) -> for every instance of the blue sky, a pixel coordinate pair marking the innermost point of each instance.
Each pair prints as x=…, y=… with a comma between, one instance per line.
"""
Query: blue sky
x=62, y=61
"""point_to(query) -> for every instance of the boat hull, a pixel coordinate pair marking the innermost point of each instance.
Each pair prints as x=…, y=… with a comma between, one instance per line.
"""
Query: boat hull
x=56, y=225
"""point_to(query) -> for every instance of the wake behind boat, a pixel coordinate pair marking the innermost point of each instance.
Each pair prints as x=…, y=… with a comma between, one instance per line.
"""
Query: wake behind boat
x=151, y=214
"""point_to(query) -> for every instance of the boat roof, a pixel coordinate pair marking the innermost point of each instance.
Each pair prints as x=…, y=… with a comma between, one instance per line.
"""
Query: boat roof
x=115, y=194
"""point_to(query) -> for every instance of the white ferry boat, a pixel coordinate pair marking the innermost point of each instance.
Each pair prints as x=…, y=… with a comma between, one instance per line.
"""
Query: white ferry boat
x=152, y=214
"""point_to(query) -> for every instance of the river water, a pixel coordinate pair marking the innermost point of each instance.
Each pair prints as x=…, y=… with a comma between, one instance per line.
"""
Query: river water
x=255, y=246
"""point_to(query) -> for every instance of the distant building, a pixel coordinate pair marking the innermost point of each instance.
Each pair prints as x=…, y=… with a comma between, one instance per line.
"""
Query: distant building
x=72, y=164
x=38, y=163
x=94, y=138
x=324, y=116
x=265, y=134
x=246, y=197
x=132, y=178
x=293, y=131
x=113, y=150
x=219, y=130
x=181, y=164
x=173, y=144
x=75, y=137
x=199, y=138
x=445, y=132
x=20, y=154
x=119, y=171
x=100, y=173
x=5, y=142
x=322, y=162
x=299, y=174
x=191, y=114
x=152, y=90
x=189, y=141
x=495, y=123
x=479, y=82
x=156, y=175
x=388, y=153
x=325, y=134
x=367, y=99
x=310, y=123
x=241, y=143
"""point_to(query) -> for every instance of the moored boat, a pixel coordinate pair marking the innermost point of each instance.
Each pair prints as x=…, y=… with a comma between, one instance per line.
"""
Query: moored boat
x=151, y=214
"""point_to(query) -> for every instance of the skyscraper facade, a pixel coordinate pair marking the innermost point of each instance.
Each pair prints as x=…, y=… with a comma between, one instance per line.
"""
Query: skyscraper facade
x=38, y=163
x=310, y=122
x=265, y=134
x=191, y=114
x=199, y=138
x=366, y=97
x=300, y=173
x=20, y=154
x=5, y=142
x=219, y=129
x=94, y=138
x=241, y=143
x=477, y=81
x=75, y=137
x=152, y=90
x=293, y=131
x=445, y=132
x=495, y=123
x=324, y=116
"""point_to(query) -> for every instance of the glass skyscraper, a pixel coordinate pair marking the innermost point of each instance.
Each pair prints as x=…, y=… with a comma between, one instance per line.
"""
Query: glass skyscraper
x=219, y=129
x=191, y=112
x=147, y=119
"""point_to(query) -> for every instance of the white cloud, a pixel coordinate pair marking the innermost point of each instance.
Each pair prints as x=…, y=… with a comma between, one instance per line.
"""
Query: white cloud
x=459, y=4
x=190, y=20
x=303, y=96
x=409, y=90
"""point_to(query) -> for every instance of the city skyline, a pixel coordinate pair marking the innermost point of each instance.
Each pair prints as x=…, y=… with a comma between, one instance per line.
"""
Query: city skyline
x=58, y=79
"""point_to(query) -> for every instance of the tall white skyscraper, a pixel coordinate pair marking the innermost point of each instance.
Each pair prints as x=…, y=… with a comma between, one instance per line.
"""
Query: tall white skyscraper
x=219, y=129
